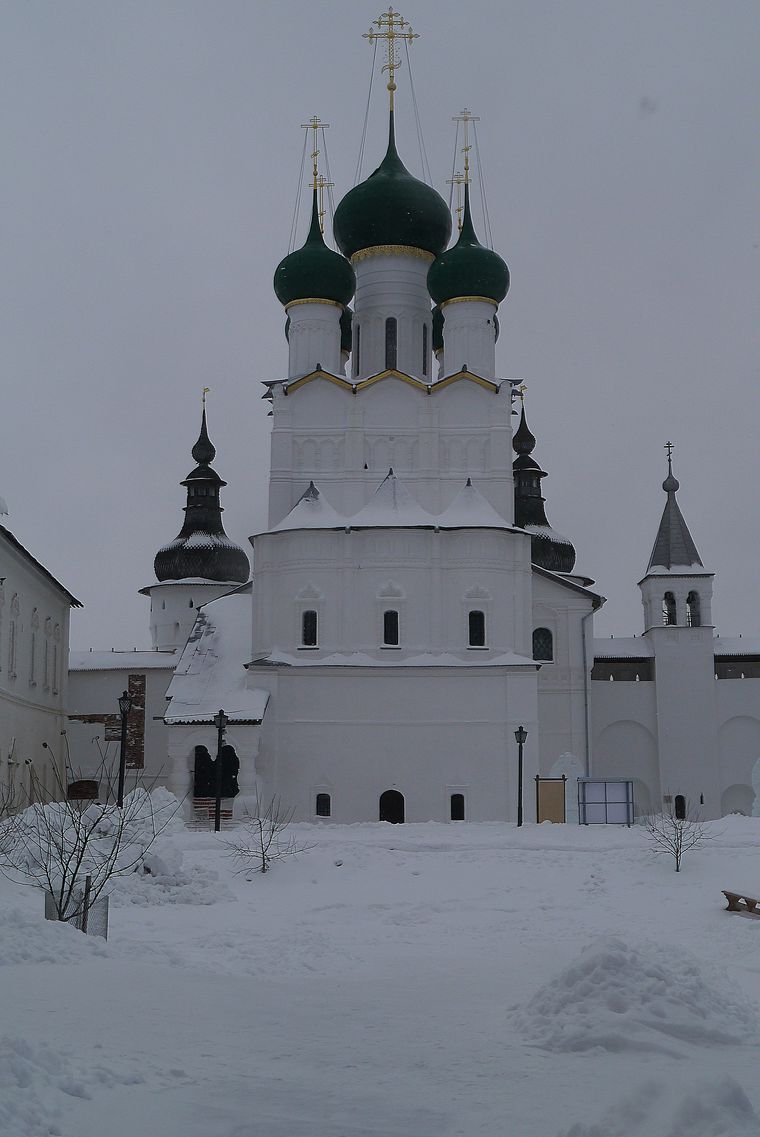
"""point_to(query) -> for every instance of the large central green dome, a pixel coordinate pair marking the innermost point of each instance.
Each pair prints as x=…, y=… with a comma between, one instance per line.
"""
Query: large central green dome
x=392, y=208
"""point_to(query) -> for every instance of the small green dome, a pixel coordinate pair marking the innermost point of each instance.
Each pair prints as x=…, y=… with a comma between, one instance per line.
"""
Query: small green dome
x=314, y=270
x=468, y=268
x=392, y=208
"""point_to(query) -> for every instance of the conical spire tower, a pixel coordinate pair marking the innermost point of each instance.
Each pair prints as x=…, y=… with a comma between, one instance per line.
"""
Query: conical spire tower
x=674, y=546
x=202, y=549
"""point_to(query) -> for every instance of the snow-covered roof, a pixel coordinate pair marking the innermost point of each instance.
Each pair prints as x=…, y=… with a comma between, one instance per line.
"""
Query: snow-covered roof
x=311, y=511
x=391, y=659
x=122, y=660
x=16, y=544
x=678, y=570
x=548, y=533
x=737, y=645
x=210, y=675
x=393, y=506
x=470, y=510
x=622, y=647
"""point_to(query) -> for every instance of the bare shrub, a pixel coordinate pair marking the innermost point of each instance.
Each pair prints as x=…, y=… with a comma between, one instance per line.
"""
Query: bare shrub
x=263, y=837
x=673, y=835
x=50, y=842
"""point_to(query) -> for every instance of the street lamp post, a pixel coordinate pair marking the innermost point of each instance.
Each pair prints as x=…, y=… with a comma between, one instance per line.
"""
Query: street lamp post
x=520, y=736
x=125, y=706
x=220, y=722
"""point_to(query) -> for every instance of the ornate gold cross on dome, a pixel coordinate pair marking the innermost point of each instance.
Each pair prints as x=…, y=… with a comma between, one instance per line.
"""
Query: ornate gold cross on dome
x=669, y=446
x=466, y=117
x=392, y=27
x=318, y=181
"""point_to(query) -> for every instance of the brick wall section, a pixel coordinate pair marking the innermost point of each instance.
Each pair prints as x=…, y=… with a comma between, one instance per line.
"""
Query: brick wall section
x=135, y=723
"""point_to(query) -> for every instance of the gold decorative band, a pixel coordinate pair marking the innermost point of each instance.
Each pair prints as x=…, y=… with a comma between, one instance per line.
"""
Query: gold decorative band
x=391, y=251
x=469, y=299
x=313, y=300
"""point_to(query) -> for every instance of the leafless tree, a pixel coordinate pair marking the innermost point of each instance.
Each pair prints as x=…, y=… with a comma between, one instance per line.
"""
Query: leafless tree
x=263, y=837
x=674, y=835
x=50, y=842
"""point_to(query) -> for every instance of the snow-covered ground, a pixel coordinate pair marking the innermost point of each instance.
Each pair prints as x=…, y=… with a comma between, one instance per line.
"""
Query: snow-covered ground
x=395, y=981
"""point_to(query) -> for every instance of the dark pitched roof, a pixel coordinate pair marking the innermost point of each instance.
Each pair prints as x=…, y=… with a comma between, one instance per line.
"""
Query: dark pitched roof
x=674, y=545
x=33, y=560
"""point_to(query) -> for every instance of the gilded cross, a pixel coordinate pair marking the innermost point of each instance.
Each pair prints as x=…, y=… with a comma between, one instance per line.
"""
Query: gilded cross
x=392, y=28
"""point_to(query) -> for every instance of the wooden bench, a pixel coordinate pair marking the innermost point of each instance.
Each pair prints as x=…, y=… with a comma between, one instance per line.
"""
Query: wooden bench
x=740, y=902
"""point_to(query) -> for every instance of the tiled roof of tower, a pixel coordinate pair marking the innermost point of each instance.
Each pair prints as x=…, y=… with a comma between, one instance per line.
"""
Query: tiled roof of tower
x=674, y=546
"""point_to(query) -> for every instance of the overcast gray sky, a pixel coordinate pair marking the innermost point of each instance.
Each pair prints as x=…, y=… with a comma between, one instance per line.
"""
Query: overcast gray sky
x=150, y=164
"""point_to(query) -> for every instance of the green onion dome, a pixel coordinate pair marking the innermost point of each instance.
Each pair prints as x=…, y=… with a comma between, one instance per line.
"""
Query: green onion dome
x=392, y=208
x=314, y=271
x=468, y=268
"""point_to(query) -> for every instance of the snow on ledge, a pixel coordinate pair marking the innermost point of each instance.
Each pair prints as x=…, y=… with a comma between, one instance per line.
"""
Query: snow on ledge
x=392, y=659
x=122, y=660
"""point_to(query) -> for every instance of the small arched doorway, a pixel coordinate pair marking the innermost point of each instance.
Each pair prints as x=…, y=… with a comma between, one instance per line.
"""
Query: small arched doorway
x=680, y=804
x=392, y=807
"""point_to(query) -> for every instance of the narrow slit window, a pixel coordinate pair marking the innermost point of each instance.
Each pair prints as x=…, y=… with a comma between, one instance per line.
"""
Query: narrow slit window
x=391, y=342
x=357, y=350
x=322, y=806
x=477, y=628
x=309, y=628
x=424, y=349
x=390, y=628
x=543, y=645
x=457, y=807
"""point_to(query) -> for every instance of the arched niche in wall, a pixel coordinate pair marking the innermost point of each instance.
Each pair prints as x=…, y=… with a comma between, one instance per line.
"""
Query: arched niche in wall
x=627, y=749
x=737, y=798
x=738, y=749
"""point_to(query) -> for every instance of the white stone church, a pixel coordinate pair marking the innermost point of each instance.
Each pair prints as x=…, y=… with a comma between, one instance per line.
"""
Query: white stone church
x=410, y=607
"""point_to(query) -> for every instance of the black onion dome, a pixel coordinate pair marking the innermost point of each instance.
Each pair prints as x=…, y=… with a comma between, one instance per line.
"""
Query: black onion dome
x=202, y=548
x=468, y=268
x=314, y=270
x=392, y=207
x=548, y=548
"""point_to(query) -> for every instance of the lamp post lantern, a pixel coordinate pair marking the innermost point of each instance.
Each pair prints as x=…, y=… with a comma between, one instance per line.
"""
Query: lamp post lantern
x=521, y=735
x=125, y=706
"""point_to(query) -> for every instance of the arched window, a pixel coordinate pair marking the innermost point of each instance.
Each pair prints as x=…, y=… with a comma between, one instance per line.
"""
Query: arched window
x=392, y=807
x=477, y=628
x=424, y=349
x=693, y=613
x=309, y=628
x=391, y=342
x=322, y=805
x=680, y=807
x=457, y=807
x=543, y=645
x=668, y=608
x=390, y=628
